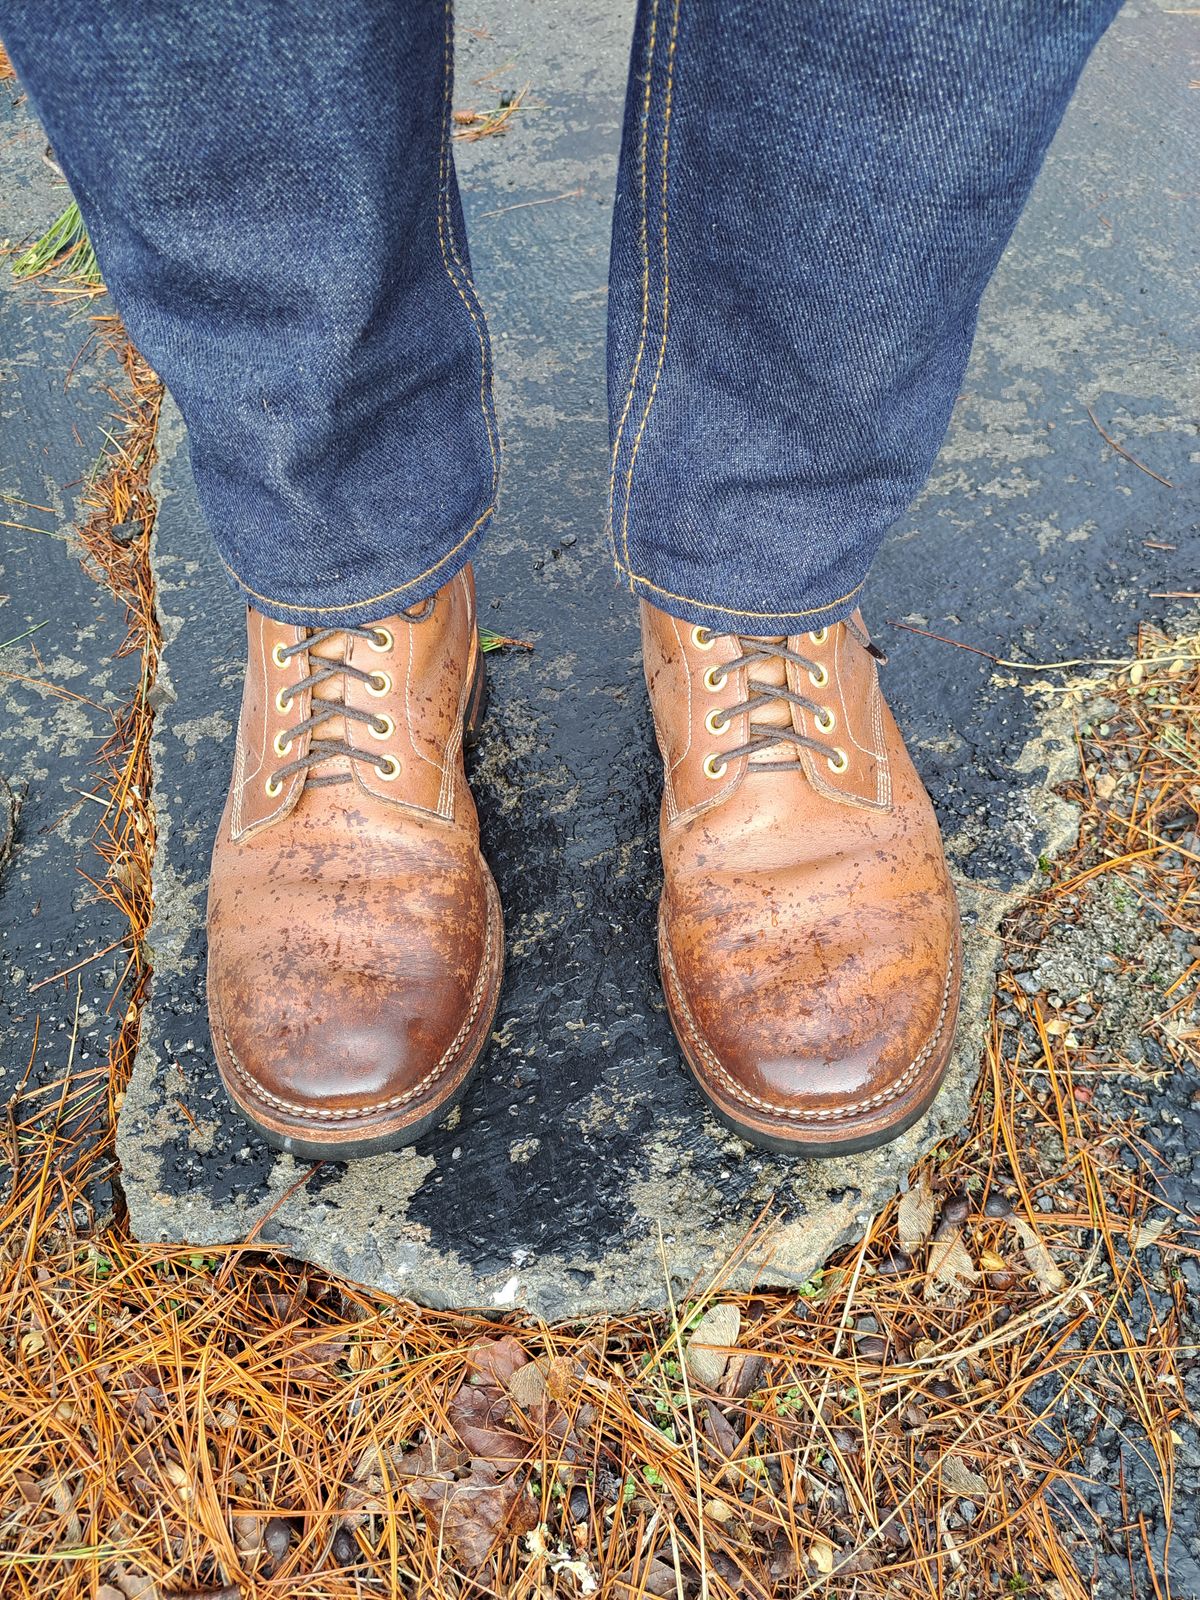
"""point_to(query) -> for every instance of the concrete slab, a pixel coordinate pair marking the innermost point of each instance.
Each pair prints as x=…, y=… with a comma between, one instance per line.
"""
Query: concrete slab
x=583, y=1137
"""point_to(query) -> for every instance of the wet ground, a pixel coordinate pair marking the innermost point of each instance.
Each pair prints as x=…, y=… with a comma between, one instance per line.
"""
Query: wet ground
x=61, y=679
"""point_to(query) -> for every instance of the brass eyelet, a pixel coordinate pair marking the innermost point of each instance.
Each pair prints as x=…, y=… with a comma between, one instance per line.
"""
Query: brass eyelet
x=839, y=761
x=379, y=683
x=388, y=769
x=703, y=638
x=819, y=637
x=715, y=680
x=277, y=655
x=820, y=677
x=282, y=743
x=824, y=721
x=273, y=787
x=717, y=722
x=381, y=639
x=383, y=727
x=283, y=700
x=714, y=767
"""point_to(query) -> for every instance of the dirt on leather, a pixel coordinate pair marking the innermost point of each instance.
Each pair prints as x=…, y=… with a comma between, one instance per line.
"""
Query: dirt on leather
x=988, y=1395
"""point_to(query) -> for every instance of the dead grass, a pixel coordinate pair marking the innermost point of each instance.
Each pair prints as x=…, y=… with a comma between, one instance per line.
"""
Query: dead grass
x=472, y=125
x=187, y=1423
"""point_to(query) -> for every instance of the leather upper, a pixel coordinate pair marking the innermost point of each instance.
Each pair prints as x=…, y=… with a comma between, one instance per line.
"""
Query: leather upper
x=354, y=930
x=808, y=926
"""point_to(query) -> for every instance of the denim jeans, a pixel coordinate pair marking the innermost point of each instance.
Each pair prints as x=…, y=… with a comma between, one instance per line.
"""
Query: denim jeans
x=810, y=202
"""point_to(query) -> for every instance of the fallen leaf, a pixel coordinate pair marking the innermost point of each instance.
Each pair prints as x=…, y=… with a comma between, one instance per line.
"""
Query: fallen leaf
x=991, y=1262
x=915, y=1216
x=706, y=1359
x=495, y=1360
x=479, y=1416
x=135, y=1586
x=312, y=1357
x=527, y=1386
x=959, y=1479
x=561, y=1560
x=820, y=1556
x=656, y=1579
x=719, y=1429
x=951, y=1270
x=1141, y=1238
x=1039, y=1260
x=474, y=1513
x=743, y=1375
x=562, y=1377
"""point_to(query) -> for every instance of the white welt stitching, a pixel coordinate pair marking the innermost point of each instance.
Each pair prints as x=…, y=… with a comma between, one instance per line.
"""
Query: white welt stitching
x=397, y=1099
x=803, y=1113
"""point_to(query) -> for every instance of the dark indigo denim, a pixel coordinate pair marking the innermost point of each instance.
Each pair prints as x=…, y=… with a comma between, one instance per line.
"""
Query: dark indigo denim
x=812, y=197
x=272, y=199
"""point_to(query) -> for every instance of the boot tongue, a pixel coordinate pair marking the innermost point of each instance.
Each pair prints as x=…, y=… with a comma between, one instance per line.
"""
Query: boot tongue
x=771, y=674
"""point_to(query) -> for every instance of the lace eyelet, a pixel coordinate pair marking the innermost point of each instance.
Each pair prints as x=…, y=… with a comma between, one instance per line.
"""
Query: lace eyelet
x=715, y=680
x=714, y=767
x=388, y=769
x=820, y=677
x=277, y=655
x=283, y=701
x=383, y=727
x=382, y=639
x=717, y=722
x=282, y=743
x=703, y=638
x=819, y=637
x=838, y=761
x=273, y=787
x=380, y=683
x=824, y=721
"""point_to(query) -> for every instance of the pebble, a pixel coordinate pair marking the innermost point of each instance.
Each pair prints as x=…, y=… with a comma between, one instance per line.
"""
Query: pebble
x=579, y=1505
x=345, y=1549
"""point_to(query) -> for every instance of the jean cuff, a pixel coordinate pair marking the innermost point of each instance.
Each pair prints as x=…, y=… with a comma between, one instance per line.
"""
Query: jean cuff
x=394, y=594
x=806, y=618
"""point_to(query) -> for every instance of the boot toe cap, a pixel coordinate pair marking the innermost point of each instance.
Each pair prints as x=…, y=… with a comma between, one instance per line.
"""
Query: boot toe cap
x=326, y=1051
x=820, y=1060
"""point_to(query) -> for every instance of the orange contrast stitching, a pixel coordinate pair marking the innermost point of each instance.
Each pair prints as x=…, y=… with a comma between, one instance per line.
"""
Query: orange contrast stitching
x=666, y=281
x=644, y=240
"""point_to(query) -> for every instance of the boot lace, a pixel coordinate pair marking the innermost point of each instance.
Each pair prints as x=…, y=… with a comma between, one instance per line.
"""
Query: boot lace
x=322, y=710
x=764, y=736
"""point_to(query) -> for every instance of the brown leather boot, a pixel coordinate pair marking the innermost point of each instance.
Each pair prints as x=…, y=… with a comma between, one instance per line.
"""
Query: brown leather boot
x=808, y=931
x=355, y=940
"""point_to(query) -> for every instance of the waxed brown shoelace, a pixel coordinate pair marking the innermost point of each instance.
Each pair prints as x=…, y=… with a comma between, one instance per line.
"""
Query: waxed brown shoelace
x=764, y=735
x=322, y=710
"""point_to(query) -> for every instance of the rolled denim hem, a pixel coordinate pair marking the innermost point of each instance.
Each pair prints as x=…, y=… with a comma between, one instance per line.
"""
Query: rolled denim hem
x=733, y=619
x=396, y=593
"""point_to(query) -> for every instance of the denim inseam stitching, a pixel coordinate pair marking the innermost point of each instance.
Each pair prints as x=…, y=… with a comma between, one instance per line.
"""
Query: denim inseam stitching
x=444, y=228
x=666, y=281
x=651, y=40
